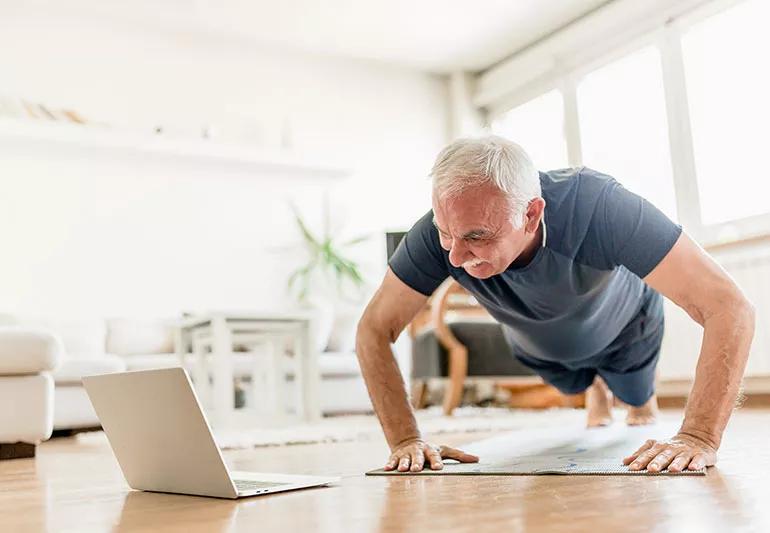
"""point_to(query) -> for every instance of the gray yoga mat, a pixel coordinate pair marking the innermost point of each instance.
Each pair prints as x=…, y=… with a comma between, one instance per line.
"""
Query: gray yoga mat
x=572, y=450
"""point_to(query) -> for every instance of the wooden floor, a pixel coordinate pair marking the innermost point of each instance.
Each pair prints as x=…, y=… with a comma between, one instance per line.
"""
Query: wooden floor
x=75, y=485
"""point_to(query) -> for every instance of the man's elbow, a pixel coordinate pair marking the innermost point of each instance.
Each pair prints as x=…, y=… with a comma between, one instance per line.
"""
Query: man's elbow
x=726, y=304
x=742, y=311
x=749, y=312
x=368, y=335
x=363, y=332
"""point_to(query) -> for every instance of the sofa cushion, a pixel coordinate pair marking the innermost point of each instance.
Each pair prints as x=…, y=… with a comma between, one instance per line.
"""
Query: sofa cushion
x=330, y=364
x=342, y=337
x=130, y=336
x=338, y=364
x=27, y=409
x=150, y=361
x=80, y=336
x=26, y=350
x=72, y=370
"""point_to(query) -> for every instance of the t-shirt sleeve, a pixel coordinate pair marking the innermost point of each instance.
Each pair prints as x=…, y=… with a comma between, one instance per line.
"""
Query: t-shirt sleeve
x=418, y=260
x=632, y=231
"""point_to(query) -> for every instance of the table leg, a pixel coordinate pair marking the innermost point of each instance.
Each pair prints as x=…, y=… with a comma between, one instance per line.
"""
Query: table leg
x=180, y=346
x=263, y=390
x=307, y=375
x=201, y=374
x=278, y=379
x=224, y=393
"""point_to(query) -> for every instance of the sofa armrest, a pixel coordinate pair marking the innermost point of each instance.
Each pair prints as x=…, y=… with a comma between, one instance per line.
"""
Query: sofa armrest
x=25, y=350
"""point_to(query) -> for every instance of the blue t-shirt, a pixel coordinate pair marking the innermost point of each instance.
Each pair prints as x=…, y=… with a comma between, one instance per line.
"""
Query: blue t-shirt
x=584, y=284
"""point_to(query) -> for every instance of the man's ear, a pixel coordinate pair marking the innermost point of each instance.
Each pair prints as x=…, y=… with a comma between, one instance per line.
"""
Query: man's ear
x=534, y=214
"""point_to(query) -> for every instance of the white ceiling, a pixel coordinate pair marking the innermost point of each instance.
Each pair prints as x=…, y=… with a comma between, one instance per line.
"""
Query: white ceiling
x=431, y=35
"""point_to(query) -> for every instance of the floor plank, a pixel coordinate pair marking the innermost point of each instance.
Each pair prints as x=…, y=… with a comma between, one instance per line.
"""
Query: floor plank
x=74, y=484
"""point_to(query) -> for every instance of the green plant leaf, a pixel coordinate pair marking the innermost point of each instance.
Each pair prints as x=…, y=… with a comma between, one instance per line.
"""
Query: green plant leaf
x=357, y=240
x=306, y=233
x=325, y=257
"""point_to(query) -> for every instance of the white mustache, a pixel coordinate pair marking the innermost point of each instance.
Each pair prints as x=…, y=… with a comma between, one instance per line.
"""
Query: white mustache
x=474, y=263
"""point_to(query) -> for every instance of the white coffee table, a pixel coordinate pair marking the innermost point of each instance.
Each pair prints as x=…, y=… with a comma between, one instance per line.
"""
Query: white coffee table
x=220, y=330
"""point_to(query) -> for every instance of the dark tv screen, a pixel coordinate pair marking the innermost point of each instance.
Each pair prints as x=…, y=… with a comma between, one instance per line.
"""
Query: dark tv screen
x=392, y=238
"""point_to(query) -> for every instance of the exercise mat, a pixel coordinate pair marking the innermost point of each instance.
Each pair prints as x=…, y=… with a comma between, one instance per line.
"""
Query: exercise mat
x=572, y=450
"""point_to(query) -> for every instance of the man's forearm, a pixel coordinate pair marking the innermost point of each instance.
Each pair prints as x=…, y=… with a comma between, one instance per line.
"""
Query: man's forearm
x=726, y=342
x=386, y=388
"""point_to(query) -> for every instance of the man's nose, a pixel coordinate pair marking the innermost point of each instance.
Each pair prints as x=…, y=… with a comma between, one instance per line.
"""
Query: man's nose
x=458, y=253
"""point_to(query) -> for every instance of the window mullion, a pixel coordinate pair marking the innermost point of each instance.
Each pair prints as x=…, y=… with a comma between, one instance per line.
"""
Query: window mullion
x=679, y=130
x=572, y=122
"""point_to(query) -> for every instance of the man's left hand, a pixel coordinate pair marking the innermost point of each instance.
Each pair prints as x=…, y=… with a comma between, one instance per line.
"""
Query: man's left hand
x=678, y=453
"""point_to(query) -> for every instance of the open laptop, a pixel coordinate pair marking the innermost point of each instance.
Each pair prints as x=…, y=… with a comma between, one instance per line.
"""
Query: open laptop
x=163, y=442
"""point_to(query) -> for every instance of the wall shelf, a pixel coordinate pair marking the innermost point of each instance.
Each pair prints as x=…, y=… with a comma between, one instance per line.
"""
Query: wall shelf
x=117, y=143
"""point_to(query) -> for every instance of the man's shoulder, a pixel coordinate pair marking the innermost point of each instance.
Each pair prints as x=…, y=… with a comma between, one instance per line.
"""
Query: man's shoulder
x=584, y=181
x=571, y=196
x=418, y=260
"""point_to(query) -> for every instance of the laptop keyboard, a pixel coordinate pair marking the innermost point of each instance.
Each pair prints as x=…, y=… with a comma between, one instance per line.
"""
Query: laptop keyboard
x=244, y=485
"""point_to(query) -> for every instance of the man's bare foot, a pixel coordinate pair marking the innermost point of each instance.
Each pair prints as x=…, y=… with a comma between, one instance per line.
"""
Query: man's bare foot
x=644, y=415
x=598, y=404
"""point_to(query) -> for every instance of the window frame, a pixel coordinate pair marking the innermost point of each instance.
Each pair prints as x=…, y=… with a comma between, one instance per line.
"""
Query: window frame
x=667, y=38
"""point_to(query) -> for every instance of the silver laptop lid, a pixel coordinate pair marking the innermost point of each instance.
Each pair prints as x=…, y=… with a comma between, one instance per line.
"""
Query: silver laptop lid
x=157, y=430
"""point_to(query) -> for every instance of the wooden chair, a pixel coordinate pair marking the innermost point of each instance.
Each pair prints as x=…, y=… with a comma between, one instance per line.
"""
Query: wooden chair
x=450, y=301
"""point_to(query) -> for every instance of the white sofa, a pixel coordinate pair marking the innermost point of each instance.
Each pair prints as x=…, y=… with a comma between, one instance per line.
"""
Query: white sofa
x=27, y=357
x=95, y=346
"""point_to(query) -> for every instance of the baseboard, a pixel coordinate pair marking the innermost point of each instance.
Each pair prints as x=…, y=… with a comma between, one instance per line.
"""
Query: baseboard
x=16, y=450
x=755, y=391
x=754, y=385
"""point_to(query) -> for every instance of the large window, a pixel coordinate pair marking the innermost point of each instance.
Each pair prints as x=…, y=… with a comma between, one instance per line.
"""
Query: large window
x=623, y=127
x=538, y=126
x=728, y=87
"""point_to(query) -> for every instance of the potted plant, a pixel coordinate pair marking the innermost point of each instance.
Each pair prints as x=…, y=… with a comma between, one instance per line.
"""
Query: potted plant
x=329, y=282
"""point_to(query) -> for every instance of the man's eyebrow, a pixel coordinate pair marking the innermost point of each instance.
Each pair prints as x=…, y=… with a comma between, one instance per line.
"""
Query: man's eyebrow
x=472, y=234
x=477, y=234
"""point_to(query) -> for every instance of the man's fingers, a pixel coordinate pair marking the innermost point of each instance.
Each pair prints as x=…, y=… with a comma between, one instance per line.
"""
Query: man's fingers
x=698, y=461
x=661, y=461
x=391, y=464
x=418, y=460
x=434, y=458
x=457, y=455
x=643, y=448
x=644, y=458
x=680, y=462
x=414, y=458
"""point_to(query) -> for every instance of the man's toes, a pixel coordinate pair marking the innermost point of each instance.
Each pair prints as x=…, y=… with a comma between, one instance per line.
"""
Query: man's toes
x=640, y=420
x=598, y=421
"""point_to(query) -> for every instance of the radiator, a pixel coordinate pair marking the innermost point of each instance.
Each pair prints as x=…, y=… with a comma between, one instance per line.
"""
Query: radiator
x=750, y=268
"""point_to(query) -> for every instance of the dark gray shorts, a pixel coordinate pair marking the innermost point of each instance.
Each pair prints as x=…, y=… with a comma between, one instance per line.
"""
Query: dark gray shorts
x=627, y=365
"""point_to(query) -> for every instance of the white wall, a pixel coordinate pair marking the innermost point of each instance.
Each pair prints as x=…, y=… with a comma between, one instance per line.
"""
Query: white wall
x=84, y=233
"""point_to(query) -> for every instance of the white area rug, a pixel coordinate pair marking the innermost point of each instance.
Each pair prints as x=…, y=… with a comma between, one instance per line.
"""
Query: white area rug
x=431, y=421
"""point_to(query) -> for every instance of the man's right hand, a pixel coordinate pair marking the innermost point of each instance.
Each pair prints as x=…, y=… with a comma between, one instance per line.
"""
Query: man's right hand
x=412, y=455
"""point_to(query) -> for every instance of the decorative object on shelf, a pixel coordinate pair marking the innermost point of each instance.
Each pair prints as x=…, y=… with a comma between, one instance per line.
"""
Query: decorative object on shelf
x=11, y=108
x=22, y=109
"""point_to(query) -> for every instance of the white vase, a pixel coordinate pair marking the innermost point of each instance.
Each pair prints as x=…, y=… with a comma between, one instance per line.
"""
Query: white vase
x=323, y=320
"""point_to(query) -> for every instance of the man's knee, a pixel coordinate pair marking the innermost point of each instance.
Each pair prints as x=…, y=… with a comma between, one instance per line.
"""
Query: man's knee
x=573, y=382
x=634, y=392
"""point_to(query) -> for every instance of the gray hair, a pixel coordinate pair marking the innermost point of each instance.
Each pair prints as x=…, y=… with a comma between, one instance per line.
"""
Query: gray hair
x=471, y=162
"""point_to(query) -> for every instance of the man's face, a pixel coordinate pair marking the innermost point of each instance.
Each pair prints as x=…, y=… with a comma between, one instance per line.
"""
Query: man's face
x=475, y=228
